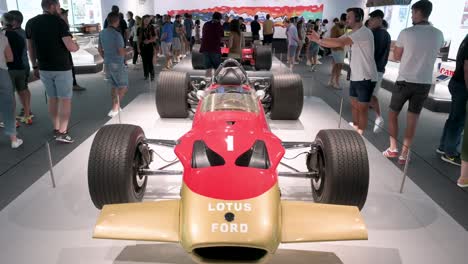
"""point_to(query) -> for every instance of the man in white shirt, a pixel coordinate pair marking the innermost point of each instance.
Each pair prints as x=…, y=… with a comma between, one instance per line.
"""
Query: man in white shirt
x=416, y=49
x=363, y=69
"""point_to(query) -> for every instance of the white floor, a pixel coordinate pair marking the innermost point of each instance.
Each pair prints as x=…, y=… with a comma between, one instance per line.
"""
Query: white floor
x=45, y=225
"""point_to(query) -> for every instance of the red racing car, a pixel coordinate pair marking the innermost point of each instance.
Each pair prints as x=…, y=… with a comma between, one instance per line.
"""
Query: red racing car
x=230, y=208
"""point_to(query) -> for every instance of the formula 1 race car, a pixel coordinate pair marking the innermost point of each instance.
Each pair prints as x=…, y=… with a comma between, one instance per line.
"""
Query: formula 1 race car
x=258, y=56
x=230, y=208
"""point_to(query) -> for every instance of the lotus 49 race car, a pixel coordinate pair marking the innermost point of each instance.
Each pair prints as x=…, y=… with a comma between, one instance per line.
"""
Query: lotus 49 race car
x=230, y=208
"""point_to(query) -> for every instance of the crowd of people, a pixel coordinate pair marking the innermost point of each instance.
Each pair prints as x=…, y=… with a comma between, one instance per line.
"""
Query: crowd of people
x=48, y=42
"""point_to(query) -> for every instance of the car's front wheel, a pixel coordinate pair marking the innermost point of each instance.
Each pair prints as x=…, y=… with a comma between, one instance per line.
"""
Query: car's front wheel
x=114, y=166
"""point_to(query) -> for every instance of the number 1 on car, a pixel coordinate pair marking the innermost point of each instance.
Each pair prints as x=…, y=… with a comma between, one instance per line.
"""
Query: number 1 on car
x=230, y=143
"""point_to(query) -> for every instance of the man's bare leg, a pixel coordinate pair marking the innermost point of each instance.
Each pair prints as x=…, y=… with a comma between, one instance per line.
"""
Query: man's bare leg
x=53, y=112
x=339, y=67
x=24, y=98
x=374, y=103
x=393, y=129
x=411, y=123
x=363, y=111
x=355, y=112
x=64, y=114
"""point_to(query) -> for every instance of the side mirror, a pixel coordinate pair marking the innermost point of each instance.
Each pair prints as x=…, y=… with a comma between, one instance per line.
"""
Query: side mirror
x=260, y=94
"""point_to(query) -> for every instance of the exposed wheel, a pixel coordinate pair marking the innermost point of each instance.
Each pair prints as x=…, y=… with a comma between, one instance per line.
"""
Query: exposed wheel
x=287, y=97
x=343, y=167
x=198, y=60
x=113, y=166
x=263, y=58
x=171, y=94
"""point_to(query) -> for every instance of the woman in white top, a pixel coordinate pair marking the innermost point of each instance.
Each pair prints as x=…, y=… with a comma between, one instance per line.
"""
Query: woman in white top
x=7, y=99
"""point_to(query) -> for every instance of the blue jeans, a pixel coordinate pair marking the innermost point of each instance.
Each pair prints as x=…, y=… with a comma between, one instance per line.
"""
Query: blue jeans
x=456, y=121
x=7, y=103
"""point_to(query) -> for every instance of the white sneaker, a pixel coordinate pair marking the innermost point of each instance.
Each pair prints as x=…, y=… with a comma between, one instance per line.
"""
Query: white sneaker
x=2, y=125
x=296, y=63
x=16, y=144
x=378, y=126
x=308, y=63
x=330, y=83
x=113, y=113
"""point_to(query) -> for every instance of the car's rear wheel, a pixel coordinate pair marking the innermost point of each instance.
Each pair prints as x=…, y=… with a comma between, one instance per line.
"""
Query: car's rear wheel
x=198, y=59
x=287, y=97
x=263, y=58
x=113, y=166
x=172, y=93
x=343, y=168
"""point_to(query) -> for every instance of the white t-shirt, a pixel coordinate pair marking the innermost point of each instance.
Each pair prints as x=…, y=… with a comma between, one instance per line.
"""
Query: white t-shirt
x=362, y=62
x=421, y=44
x=3, y=44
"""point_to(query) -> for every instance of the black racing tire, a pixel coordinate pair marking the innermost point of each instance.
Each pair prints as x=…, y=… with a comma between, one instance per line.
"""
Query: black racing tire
x=198, y=59
x=172, y=93
x=263, y=58
x=343, y=167
x=287, y=97
x=112, y=166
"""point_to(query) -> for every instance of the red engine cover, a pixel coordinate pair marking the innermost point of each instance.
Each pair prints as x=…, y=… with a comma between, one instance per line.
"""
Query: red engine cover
x=230, y=134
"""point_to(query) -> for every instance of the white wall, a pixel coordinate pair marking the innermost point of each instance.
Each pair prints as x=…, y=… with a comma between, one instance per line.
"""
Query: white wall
x=334, y=8
x=138, y=7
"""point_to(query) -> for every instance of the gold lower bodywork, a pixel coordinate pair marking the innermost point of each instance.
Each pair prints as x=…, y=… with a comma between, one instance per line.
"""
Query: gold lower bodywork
x=263, y=222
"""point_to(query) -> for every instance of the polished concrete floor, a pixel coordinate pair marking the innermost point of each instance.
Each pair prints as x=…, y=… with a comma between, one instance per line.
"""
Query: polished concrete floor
x=46, y=225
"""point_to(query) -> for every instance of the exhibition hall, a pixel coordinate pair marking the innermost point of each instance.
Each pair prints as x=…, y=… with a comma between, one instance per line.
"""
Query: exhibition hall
x=248, y=131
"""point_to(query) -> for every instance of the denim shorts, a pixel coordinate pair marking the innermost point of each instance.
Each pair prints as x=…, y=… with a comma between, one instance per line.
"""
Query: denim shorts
x=362, y=90
x=313, y=48
x=292, y=51
x=338, y=56
x=58, y=84
x=117, y=75
x=176, y=44
x=166, y=48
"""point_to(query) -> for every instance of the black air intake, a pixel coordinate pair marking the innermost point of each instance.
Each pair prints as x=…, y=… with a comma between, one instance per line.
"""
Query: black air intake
x=230, y=254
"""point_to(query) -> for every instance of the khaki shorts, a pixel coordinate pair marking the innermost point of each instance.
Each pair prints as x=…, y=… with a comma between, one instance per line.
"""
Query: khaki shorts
x=176, y=45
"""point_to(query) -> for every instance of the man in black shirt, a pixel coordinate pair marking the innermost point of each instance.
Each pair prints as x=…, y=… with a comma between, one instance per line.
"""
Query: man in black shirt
x=122, y=24
x=255, y=27
x=453, y=128
x=382, y=42
x=49, y=45
x=17, y=68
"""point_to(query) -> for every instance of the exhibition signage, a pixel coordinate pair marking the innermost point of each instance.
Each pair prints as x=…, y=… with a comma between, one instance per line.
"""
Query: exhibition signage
x=371, y=3
x=278, y=13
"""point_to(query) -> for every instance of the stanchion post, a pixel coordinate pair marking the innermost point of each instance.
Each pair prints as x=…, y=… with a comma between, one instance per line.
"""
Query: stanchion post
x=341, y=112
x=405, y=170
x=51, y=166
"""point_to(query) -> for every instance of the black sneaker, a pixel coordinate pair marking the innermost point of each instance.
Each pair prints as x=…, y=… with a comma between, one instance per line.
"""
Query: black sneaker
x=55, y=133
x=455, y=160
x=64, y=138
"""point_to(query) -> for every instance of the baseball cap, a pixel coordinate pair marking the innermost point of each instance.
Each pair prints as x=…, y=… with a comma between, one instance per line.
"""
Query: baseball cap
x=377, y=13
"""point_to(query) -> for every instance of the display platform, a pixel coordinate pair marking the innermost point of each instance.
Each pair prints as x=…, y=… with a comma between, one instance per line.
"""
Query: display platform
x=45, y=225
